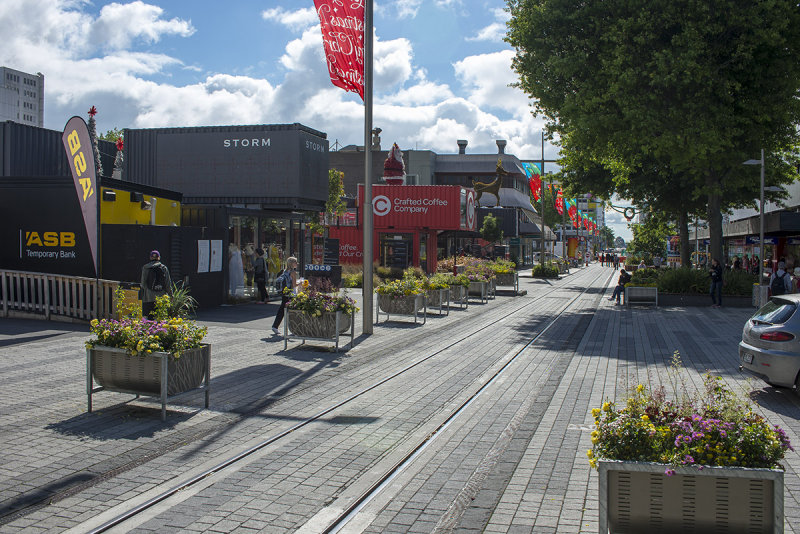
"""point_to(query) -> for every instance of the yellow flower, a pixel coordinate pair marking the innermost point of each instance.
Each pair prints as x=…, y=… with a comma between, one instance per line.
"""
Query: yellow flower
x=640, y=388
x=596, y=412
x=645, y=418
x=94, y=322
x=593, y=463
x=606, y=406
x=590, y=454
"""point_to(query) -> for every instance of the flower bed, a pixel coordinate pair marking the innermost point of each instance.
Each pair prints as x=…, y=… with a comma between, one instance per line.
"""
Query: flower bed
x=710, y=432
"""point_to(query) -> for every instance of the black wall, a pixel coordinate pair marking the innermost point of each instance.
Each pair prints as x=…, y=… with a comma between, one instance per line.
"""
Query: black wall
x=126, y=248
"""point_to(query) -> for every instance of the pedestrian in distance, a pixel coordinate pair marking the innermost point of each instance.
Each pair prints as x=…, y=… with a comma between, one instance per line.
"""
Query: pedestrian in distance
x=641, y=265
x=155, y=282
x=623, y=279
x=780, y=282
x=260, y=276
x=286, y=283
x=716, y=283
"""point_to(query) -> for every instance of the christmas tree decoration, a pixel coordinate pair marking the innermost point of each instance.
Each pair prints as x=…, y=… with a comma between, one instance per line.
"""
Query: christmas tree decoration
x=119, y=160
x=92, y=126
x=394, y=170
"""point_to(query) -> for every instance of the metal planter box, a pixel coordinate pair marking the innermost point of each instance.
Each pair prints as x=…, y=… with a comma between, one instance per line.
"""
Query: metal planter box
x=409, y=305
x=159, y=374
x=460, y=295
x=639, y=497
x=439, y=298
x=329, y=326
x=508, y=279
x=479, y=289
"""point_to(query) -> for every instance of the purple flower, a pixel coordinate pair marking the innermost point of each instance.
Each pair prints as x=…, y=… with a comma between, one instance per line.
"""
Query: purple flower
x=669, y=472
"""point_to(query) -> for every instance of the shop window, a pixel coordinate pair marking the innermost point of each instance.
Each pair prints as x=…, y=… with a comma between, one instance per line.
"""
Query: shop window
x=396, y=250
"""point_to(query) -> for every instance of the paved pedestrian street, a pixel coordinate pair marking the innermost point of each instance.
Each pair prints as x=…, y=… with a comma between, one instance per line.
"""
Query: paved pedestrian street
x=481, y=416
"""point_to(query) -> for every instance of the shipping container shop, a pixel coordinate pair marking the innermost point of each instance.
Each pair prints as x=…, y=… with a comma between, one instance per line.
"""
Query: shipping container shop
x=407, y=220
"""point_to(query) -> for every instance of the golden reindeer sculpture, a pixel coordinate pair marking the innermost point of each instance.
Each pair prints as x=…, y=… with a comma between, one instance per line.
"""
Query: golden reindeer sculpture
x=492, y=187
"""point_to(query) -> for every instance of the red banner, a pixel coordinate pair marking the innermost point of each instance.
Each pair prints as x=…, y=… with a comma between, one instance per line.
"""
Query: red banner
x=80, y=155
x=560, y=203
x=342, y=23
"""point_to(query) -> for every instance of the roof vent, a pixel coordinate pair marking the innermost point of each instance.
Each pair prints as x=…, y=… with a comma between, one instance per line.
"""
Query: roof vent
x=462, y=146
x=501, y=146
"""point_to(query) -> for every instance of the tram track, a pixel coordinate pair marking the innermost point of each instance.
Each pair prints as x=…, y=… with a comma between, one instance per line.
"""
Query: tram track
x=118, y=521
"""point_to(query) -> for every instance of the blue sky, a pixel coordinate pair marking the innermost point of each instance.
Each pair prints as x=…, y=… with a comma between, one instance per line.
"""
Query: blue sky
x=441, y=70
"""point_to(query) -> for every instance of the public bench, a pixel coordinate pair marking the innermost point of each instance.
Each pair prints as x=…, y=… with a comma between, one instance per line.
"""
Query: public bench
x=641, y=295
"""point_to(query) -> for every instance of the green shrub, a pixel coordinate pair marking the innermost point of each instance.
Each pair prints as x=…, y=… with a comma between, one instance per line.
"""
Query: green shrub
x=388, y=273
x=738, y=283
x=644, y=277
x=353, y=279
x=684, y=280
x=547, y=270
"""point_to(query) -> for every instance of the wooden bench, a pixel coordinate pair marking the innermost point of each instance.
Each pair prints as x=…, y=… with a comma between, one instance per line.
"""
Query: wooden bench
x=641, y=295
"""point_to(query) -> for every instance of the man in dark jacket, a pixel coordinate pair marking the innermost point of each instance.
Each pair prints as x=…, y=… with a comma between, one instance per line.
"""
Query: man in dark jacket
x=716, y=283
x=155, y=282
x=624, y=278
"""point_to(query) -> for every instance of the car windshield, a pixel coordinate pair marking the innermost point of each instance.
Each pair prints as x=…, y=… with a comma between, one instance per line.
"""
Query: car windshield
x=776, y=311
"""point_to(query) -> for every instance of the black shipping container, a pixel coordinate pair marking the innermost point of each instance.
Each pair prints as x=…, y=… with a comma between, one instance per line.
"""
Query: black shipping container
x=282, y=167
x=32, y=151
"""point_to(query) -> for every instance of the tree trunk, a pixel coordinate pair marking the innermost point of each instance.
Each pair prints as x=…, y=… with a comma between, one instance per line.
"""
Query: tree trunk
x=715, y=216
x=683, y=231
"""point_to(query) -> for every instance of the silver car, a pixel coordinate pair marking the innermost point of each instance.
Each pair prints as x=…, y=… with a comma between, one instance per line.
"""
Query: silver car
x=770, y=346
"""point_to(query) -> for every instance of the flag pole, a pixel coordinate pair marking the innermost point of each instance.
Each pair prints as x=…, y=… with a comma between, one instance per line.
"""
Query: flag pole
x=367, y=206
x=542, y=203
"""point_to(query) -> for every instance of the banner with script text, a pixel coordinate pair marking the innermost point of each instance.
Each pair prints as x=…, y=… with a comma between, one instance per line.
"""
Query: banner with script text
x=342, y=23
x=81, y=162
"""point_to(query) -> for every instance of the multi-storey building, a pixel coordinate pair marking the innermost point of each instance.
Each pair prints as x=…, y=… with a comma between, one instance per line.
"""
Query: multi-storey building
x=21, y=97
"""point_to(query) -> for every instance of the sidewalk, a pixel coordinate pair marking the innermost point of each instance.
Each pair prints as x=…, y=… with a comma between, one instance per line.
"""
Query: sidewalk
x=517, y=463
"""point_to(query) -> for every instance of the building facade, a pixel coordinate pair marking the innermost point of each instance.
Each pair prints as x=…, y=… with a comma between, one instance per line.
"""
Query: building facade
x=22, y=97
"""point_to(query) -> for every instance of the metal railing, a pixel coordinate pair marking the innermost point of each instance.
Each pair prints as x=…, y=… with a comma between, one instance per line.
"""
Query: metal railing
x=56, y=296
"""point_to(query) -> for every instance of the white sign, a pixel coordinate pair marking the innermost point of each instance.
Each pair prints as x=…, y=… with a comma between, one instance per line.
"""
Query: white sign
x=216, y=255
x=381, y=205
x=203, y=255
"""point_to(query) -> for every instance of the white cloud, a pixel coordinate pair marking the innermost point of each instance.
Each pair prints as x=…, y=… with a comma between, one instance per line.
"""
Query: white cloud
x=391, y=63
x=487, y=78
x=296, y=20
x=119, y=25
x=495, y=31
x=407, y=9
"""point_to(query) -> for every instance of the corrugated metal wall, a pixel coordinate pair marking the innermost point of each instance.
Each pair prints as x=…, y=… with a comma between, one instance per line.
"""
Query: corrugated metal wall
x=31, y=151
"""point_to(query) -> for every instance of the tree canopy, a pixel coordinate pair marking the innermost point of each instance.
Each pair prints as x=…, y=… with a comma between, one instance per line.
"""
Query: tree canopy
x=654, y=98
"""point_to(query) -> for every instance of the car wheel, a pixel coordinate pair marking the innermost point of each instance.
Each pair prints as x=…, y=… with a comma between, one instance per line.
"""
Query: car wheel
x=797, y=385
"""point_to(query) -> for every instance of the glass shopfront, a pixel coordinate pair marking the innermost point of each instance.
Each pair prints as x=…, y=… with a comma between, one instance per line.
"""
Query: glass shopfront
x=278, y=237
x=396, y=250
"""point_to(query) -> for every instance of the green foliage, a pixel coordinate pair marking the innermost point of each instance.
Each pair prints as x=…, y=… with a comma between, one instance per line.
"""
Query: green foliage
x=112, y=135
x=644, y=277
x=315, y=303
x=548, y=270
x=738, y=282
x=335, y=205
x=684, y=280
x=439, y=281
x=403, y=287
x=490, y=231
x=181, y=302
x=606, y=237
x=650, y=238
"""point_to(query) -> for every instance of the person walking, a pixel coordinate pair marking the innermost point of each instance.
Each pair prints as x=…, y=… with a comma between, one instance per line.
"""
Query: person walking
x=260, y=276
x=155, y=282
x=780, y=282
x=623, y=279
x=716, y=284
x=287, y=280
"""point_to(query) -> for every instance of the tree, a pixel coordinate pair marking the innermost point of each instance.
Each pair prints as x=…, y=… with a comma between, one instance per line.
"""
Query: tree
x=606, y=235
x=112, y=135
x=650, y=237
x=694, y=87
x=92, y=127
x=490, y=231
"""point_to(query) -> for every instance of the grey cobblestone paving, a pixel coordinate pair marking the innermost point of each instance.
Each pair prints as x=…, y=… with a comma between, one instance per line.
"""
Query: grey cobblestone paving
x=515, y=463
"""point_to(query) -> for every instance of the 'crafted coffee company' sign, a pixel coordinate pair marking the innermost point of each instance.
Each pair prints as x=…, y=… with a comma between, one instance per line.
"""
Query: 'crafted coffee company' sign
x=442, y=207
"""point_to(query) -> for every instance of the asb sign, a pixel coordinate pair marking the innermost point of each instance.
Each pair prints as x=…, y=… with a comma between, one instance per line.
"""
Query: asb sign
x=407, y=206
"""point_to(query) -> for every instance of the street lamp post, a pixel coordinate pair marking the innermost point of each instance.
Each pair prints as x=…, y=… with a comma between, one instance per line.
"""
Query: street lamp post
x=760, y=224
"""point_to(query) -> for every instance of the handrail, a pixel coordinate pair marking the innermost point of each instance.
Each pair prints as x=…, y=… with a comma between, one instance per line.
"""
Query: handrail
x=46, y=296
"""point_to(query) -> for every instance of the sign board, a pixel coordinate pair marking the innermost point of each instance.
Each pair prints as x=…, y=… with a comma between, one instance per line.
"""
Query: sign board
x=753, y=240
x=440, y=207
x=331, y=253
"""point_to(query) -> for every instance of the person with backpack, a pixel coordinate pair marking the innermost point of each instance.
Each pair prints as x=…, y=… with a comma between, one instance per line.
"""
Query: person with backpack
x=780, y=282
x=155, y=282
x=716, y=284
x=286, y=280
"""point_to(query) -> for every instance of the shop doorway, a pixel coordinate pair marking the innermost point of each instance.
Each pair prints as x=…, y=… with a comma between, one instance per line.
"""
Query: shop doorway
x=396, y=250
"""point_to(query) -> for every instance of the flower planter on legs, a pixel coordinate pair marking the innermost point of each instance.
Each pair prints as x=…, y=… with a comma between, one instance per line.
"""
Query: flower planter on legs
x=158, y=374
x=406, y=305
x=329, y=326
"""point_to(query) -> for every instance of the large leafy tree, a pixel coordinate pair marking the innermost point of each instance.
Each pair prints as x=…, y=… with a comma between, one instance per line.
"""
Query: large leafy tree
x=650, y=237
x=685, y=89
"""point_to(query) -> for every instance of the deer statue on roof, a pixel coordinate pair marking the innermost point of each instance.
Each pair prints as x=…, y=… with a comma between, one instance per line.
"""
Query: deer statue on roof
x=492, y=187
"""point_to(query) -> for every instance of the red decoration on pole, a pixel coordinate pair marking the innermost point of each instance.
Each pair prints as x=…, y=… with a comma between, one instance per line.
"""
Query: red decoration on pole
x=560, y=202
x=342, y=26
x=535, y=183
x=120, y=144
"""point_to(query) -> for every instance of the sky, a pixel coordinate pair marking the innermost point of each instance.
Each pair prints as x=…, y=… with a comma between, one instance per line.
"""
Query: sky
x=442, y=71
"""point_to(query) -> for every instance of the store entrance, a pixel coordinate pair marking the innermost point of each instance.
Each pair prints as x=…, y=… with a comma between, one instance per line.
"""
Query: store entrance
x=396, y=250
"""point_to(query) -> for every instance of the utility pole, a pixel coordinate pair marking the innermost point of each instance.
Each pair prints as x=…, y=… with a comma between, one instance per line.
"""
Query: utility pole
x=541, y=199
